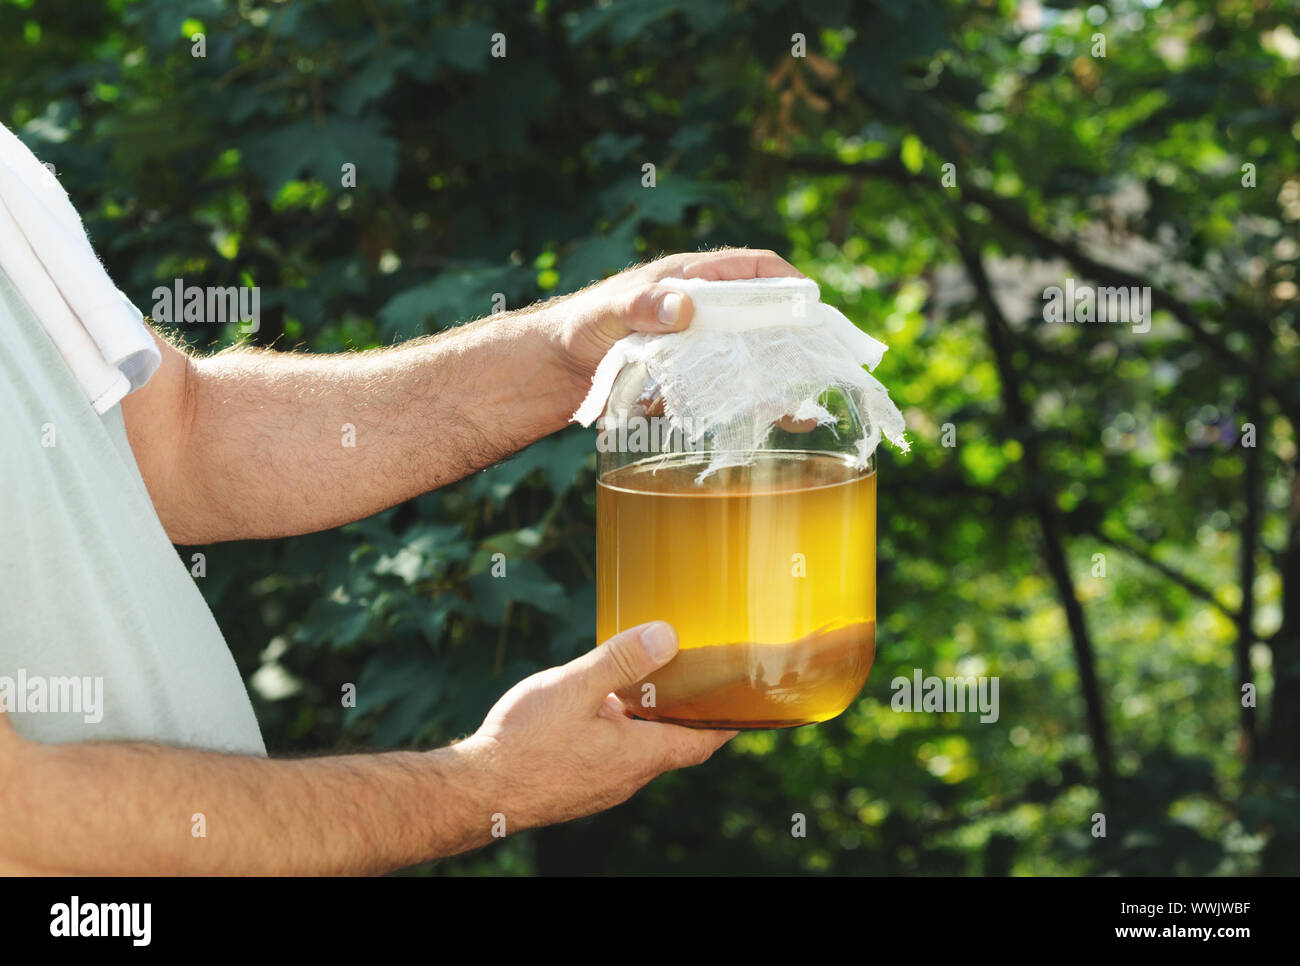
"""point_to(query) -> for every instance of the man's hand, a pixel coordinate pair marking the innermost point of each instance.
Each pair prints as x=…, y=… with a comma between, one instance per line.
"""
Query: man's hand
x=633, y=301
x=560, y=745
x=254, y=443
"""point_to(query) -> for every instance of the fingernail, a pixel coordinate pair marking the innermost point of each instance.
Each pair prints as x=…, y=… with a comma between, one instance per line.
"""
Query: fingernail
x=669, y=308
x=659, y=640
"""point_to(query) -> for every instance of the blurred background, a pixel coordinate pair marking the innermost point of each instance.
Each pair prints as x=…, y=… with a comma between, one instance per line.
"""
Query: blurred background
x=1104, y=518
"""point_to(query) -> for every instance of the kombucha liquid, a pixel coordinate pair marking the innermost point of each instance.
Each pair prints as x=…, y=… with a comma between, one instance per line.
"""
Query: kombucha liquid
x=769, y=639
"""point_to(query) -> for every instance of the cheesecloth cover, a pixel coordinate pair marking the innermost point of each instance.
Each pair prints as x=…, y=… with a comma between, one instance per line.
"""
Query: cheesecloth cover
x=756, y=351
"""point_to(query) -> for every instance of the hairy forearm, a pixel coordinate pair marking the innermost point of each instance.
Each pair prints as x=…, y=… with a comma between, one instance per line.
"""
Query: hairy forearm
x=133, y=808
x=283, y=443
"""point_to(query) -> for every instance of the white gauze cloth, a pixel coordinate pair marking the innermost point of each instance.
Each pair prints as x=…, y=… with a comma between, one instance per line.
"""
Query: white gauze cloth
x=757, y=350
x=45, y=252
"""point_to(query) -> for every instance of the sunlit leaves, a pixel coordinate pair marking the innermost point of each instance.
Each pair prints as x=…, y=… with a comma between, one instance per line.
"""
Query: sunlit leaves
x=521, y=176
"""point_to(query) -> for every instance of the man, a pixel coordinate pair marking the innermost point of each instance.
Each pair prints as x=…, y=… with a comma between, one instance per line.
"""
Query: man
x=246, y=444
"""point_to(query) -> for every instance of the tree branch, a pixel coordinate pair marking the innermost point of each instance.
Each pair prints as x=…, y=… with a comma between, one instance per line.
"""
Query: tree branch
x=1189, y=584
x=1012, y=217
x=1249, y=541
x=1044, y=504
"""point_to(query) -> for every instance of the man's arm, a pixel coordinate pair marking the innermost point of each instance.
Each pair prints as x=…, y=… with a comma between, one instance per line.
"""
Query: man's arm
x=107, y=808
x=556, y=747
x=249, y=443
x=269, y=444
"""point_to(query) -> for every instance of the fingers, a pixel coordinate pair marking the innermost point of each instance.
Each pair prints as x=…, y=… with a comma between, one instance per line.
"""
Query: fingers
x=621, y=661
x=658, y=309
x=682, y=747
x=614, y=708
x=792, y=425
x=734, y=263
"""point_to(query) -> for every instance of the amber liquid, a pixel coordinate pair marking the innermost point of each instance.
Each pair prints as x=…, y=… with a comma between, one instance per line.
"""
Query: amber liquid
x=768, y=573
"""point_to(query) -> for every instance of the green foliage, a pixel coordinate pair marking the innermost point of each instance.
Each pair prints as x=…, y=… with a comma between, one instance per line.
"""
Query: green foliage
x=523, y=176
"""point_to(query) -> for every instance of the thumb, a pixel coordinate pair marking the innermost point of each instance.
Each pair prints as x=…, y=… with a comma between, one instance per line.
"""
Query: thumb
x=622, y=660
x=656, y=308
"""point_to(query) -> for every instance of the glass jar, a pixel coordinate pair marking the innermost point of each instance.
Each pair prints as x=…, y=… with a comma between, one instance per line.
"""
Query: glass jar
x=765, y=567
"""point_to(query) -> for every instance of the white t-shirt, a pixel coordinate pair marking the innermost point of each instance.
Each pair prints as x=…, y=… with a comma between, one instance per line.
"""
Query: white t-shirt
x=103, y=634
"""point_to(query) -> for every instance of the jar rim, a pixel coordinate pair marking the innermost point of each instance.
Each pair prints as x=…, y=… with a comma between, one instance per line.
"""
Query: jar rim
x=657, y=461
